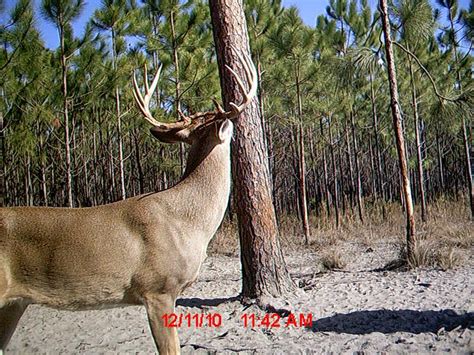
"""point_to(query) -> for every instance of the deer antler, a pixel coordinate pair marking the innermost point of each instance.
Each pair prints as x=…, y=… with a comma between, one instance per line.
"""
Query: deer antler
x=186, y=121
x=144, y=102
x=252, y=78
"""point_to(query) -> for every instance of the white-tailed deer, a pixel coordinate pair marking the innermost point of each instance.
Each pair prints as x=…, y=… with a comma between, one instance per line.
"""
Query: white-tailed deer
x=143, y=250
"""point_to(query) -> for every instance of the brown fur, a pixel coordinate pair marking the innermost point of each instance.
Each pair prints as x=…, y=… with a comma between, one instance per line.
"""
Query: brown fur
x=143, y=250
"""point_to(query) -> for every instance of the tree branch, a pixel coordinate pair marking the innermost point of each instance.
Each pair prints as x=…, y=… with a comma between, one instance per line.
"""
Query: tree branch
x=20, y=43
x=441, y=97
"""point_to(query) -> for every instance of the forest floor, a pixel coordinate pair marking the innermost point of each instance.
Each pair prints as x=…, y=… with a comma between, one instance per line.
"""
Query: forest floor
x=355, y=306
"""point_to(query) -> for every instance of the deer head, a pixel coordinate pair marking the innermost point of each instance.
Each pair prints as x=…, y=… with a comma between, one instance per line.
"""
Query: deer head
x=193, y=128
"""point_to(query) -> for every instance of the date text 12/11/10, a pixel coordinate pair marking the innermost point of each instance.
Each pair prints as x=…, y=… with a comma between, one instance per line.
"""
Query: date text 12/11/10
x=274, y=320
x=197, y=320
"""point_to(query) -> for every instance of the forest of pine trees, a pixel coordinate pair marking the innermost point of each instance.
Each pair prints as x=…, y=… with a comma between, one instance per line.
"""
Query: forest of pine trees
x=72, y=136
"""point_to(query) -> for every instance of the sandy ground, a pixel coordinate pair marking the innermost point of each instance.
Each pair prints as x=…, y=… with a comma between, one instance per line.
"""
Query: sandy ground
x=357, y=310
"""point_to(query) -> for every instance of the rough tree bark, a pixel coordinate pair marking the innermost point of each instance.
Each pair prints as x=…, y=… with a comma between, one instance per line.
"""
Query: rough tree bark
x=263, y=266
x=397, y=126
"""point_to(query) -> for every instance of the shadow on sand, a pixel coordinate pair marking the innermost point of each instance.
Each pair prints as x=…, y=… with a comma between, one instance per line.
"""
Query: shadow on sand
x=391, y=321
x=204, y=302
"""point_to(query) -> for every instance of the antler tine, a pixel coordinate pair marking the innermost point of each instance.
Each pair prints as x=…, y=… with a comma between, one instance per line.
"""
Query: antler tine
x=144, y=102
x=145, y=76
x=155, y=81
x=251, y=76
x=248, y=66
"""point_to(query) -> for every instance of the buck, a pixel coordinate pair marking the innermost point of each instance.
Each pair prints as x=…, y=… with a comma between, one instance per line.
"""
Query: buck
x=143, y=250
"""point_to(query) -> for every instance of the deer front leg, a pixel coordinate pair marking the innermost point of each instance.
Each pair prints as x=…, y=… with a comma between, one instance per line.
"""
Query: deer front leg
x=9, y=316
x=166, y=338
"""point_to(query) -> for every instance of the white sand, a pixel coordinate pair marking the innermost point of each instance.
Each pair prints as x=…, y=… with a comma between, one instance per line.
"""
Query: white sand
x=355, y=311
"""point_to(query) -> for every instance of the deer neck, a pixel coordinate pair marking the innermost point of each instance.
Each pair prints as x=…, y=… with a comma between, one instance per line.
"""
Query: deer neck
x=205, y=186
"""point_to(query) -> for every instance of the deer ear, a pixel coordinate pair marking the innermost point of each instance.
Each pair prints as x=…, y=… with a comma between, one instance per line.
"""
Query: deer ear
x=226, y=130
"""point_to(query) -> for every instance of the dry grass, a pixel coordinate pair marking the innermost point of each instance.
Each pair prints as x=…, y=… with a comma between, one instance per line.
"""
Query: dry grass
x=442, y=241
x=333, y=260
x=430, y=253
x=449, y=224
x=226, y=240
x=449, y=259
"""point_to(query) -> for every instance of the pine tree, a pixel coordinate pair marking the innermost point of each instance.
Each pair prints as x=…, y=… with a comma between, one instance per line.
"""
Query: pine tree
x=398, y=130
x=61, y=13
x=263, y=267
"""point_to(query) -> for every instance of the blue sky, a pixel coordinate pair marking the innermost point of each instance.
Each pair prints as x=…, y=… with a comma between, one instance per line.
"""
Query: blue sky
x=309, y=10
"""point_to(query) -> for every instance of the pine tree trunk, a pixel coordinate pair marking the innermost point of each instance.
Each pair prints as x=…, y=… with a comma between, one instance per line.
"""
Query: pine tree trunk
x=123, y=194
x=28, y=182
x=440, y=162
x=141, y=178
x=112, y=192
x=325, y=173
x=263, y=267
x=293, y=196
x=316, y=177
x=419, y=158
x=469, y=172
x=44, y=188
x=334, y=172
x=356, y=162
x=352, y=183
x=164, y=176
x=302, y=183
x=177, y=87
x=378, y=160
x=64, y=69
x=342, y=185
x=302, y=164
x=373, y=184
x=74, y=154
x=397, y=126
x=95, y=162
